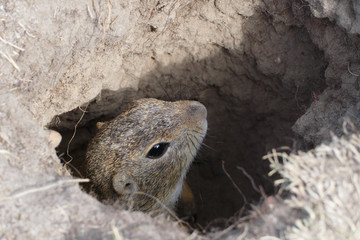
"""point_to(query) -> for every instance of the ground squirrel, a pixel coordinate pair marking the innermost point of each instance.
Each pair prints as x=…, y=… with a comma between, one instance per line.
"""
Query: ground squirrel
x=147, y=149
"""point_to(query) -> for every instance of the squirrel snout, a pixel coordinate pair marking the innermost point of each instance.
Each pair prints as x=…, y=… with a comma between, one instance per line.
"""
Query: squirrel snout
x=197, y=110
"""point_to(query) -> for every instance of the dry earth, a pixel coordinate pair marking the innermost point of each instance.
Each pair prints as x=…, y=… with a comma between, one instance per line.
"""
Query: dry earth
x=271, y=74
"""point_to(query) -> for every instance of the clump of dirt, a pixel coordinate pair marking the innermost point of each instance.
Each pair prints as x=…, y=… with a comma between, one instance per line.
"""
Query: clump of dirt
x=270, y=74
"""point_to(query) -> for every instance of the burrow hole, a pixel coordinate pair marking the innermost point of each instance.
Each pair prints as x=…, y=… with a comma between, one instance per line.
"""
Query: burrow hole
x=252, y=99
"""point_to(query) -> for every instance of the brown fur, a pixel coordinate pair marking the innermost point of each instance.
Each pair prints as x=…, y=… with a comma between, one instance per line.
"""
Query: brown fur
x=116, y=158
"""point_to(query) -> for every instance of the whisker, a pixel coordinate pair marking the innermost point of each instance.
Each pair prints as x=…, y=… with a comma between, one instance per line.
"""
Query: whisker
x=191, y=141
x=207, y=146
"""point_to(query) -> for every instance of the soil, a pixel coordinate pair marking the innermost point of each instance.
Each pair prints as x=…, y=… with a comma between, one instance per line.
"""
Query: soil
x=271, y=74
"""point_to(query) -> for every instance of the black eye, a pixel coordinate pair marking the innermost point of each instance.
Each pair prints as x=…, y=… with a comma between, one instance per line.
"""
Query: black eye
x=157, y=150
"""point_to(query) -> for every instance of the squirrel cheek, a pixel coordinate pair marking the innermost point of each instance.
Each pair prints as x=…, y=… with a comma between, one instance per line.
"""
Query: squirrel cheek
x=123, y=184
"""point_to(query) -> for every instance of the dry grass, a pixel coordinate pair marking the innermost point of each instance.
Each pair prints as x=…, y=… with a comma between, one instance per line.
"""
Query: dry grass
x=325, y=182
x=42, y=188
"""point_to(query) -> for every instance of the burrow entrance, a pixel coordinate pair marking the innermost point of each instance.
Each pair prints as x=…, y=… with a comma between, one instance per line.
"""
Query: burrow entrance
x=253, y=94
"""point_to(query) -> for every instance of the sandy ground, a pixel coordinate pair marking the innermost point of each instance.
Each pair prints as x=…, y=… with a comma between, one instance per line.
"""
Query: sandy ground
x=271, y=74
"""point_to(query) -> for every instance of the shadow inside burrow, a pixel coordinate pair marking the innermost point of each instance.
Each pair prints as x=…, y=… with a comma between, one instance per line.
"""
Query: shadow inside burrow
x=78, y=126
x=252, y=101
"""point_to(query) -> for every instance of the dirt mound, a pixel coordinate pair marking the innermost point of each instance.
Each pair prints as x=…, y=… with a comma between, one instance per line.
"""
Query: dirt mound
x=271, y=74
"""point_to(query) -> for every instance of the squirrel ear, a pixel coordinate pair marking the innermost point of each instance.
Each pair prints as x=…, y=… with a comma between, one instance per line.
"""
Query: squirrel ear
x=99, y=125
x=124, y=184
x=54, y=138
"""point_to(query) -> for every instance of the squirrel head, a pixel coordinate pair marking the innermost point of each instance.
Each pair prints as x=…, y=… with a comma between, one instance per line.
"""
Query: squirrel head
x=146, y=151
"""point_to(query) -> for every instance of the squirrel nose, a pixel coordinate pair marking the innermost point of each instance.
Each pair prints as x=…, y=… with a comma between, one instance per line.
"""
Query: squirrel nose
x=197, y=110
